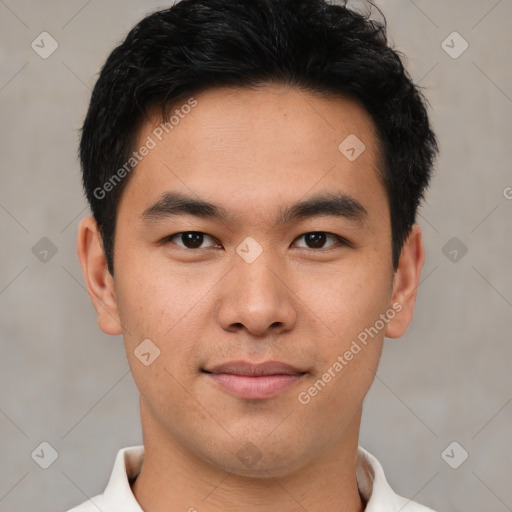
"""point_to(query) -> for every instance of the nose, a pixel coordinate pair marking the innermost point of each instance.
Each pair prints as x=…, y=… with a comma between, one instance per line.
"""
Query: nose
x=256, y=297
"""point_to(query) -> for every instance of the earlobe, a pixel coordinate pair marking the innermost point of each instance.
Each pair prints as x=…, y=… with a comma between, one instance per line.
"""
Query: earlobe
x=405, y=282
x=98, y=280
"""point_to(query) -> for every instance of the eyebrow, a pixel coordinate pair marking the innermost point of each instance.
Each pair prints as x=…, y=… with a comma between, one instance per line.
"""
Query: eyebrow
x=171, y=204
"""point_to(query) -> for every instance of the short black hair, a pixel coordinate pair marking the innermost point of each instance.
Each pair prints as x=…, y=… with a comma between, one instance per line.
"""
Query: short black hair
x=313, y=45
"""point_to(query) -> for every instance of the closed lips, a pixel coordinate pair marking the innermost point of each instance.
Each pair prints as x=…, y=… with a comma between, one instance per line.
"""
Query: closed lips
x=244, y=368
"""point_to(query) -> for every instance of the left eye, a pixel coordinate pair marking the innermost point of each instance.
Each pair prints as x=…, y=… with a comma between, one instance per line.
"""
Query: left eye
x=316, y=239
x=190, y=239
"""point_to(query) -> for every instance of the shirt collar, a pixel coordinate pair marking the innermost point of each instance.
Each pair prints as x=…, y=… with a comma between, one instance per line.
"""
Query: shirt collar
x=373, y=485
x=118, y=493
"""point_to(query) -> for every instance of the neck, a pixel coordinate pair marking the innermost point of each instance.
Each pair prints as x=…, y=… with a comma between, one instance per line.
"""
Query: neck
x=173, y=476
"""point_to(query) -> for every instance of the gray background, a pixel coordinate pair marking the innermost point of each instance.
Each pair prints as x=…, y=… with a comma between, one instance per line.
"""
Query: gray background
x=448, y=379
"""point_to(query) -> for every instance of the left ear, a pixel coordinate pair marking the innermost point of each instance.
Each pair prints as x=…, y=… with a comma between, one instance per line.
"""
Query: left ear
x=405, y=283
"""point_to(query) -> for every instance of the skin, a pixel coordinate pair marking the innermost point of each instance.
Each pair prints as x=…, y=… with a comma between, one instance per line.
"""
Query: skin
x=252, y=152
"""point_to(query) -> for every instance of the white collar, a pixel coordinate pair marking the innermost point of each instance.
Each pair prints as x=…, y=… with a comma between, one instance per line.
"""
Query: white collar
x=371, y=481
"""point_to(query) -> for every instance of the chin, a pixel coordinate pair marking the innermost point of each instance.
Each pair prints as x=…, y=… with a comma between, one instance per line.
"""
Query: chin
x=260, y=462
x=264, y=469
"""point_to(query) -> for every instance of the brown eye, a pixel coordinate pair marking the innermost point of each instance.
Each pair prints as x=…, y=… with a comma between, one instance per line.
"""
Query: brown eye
x=189, y=239
x=317, y=240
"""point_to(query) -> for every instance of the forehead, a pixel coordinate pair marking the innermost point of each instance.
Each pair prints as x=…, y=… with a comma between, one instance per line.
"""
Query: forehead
x=266, y=146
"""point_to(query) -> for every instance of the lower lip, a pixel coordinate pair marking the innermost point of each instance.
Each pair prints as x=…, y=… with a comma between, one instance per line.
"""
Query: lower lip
x=264, y=386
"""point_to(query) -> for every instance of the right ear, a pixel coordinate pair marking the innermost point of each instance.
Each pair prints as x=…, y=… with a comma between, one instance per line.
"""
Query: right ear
x=100, y=283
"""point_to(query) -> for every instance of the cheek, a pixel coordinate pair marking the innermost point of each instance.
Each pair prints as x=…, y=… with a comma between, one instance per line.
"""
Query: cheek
x=166, y=307
x=152, y=299
x=157, y=315
x=349, y=305
x=346, y=300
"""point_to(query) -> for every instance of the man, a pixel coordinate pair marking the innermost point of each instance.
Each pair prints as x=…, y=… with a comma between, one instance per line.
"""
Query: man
x=254, y=170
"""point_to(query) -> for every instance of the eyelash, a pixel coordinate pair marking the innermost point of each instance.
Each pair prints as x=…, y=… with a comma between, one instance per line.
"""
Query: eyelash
x=340, y=240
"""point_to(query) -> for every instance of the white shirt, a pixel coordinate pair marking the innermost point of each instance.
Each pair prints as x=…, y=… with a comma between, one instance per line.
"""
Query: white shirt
x=118, y=495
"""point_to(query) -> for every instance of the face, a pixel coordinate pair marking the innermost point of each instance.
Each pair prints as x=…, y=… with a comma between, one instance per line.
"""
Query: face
x=287, y=264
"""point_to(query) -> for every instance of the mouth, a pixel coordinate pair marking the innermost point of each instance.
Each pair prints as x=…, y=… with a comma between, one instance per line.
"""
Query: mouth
x=254, y=381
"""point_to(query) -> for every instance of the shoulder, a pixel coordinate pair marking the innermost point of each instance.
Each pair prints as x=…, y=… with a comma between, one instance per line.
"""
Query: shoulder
x=411, y=506
x=92, y=505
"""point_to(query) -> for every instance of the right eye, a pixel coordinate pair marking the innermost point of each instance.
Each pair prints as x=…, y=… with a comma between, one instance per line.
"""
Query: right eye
x=189, y=239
